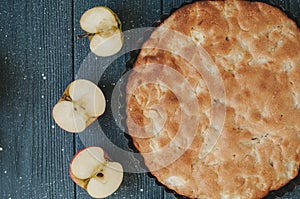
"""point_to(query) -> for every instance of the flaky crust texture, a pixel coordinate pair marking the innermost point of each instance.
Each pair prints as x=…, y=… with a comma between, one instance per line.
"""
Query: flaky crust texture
x=256, y=49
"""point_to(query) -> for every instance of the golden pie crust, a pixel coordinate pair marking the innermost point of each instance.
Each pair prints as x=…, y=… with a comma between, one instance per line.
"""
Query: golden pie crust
x=256, y=49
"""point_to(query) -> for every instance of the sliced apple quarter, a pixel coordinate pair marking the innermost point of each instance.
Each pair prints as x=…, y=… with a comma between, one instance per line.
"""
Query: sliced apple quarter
x=103, y=28
x=106, y=46
x=93, y=172
x=81, y=104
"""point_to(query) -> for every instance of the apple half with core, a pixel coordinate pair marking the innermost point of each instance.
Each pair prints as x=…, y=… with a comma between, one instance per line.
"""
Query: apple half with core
x=81, y=104
x=103, y=28
x=97, y=175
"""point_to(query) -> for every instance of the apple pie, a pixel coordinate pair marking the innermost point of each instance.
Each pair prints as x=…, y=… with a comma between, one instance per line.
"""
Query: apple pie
x=213, y=100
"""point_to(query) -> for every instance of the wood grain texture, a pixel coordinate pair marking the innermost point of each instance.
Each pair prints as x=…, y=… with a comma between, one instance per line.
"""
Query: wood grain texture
x=168, y=5
x=36, y=64
x=133, y=14
x=39, y=57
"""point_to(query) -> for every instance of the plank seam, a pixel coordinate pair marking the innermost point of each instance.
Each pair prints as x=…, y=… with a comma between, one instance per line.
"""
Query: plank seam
x=73, y=77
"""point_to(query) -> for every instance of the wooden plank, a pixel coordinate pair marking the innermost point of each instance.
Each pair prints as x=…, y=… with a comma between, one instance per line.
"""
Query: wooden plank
x=36, y=65
x=168, y=5
x=133, y=14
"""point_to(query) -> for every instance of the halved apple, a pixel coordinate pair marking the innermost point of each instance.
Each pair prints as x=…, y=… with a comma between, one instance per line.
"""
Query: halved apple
x=97, y=175
x=81, y=104
x=103, y=28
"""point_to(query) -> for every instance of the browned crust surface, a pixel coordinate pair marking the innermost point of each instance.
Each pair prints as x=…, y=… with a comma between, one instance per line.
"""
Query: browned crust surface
x=257, y=51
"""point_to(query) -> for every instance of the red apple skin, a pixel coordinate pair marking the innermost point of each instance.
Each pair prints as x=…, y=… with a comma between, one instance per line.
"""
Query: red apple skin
x=76, y=180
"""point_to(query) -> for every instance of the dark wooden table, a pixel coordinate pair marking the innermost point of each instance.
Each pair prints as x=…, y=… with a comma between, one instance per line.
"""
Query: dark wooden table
x=39, y=57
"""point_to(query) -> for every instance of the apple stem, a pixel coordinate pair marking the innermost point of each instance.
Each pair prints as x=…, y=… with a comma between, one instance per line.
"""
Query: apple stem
x=68, y=98
x=85, y=35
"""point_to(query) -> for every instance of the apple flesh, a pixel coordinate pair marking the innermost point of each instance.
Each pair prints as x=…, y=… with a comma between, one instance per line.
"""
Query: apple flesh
x=81, y=104
x=103, y=28
x=97, y=175
x=106, y=46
